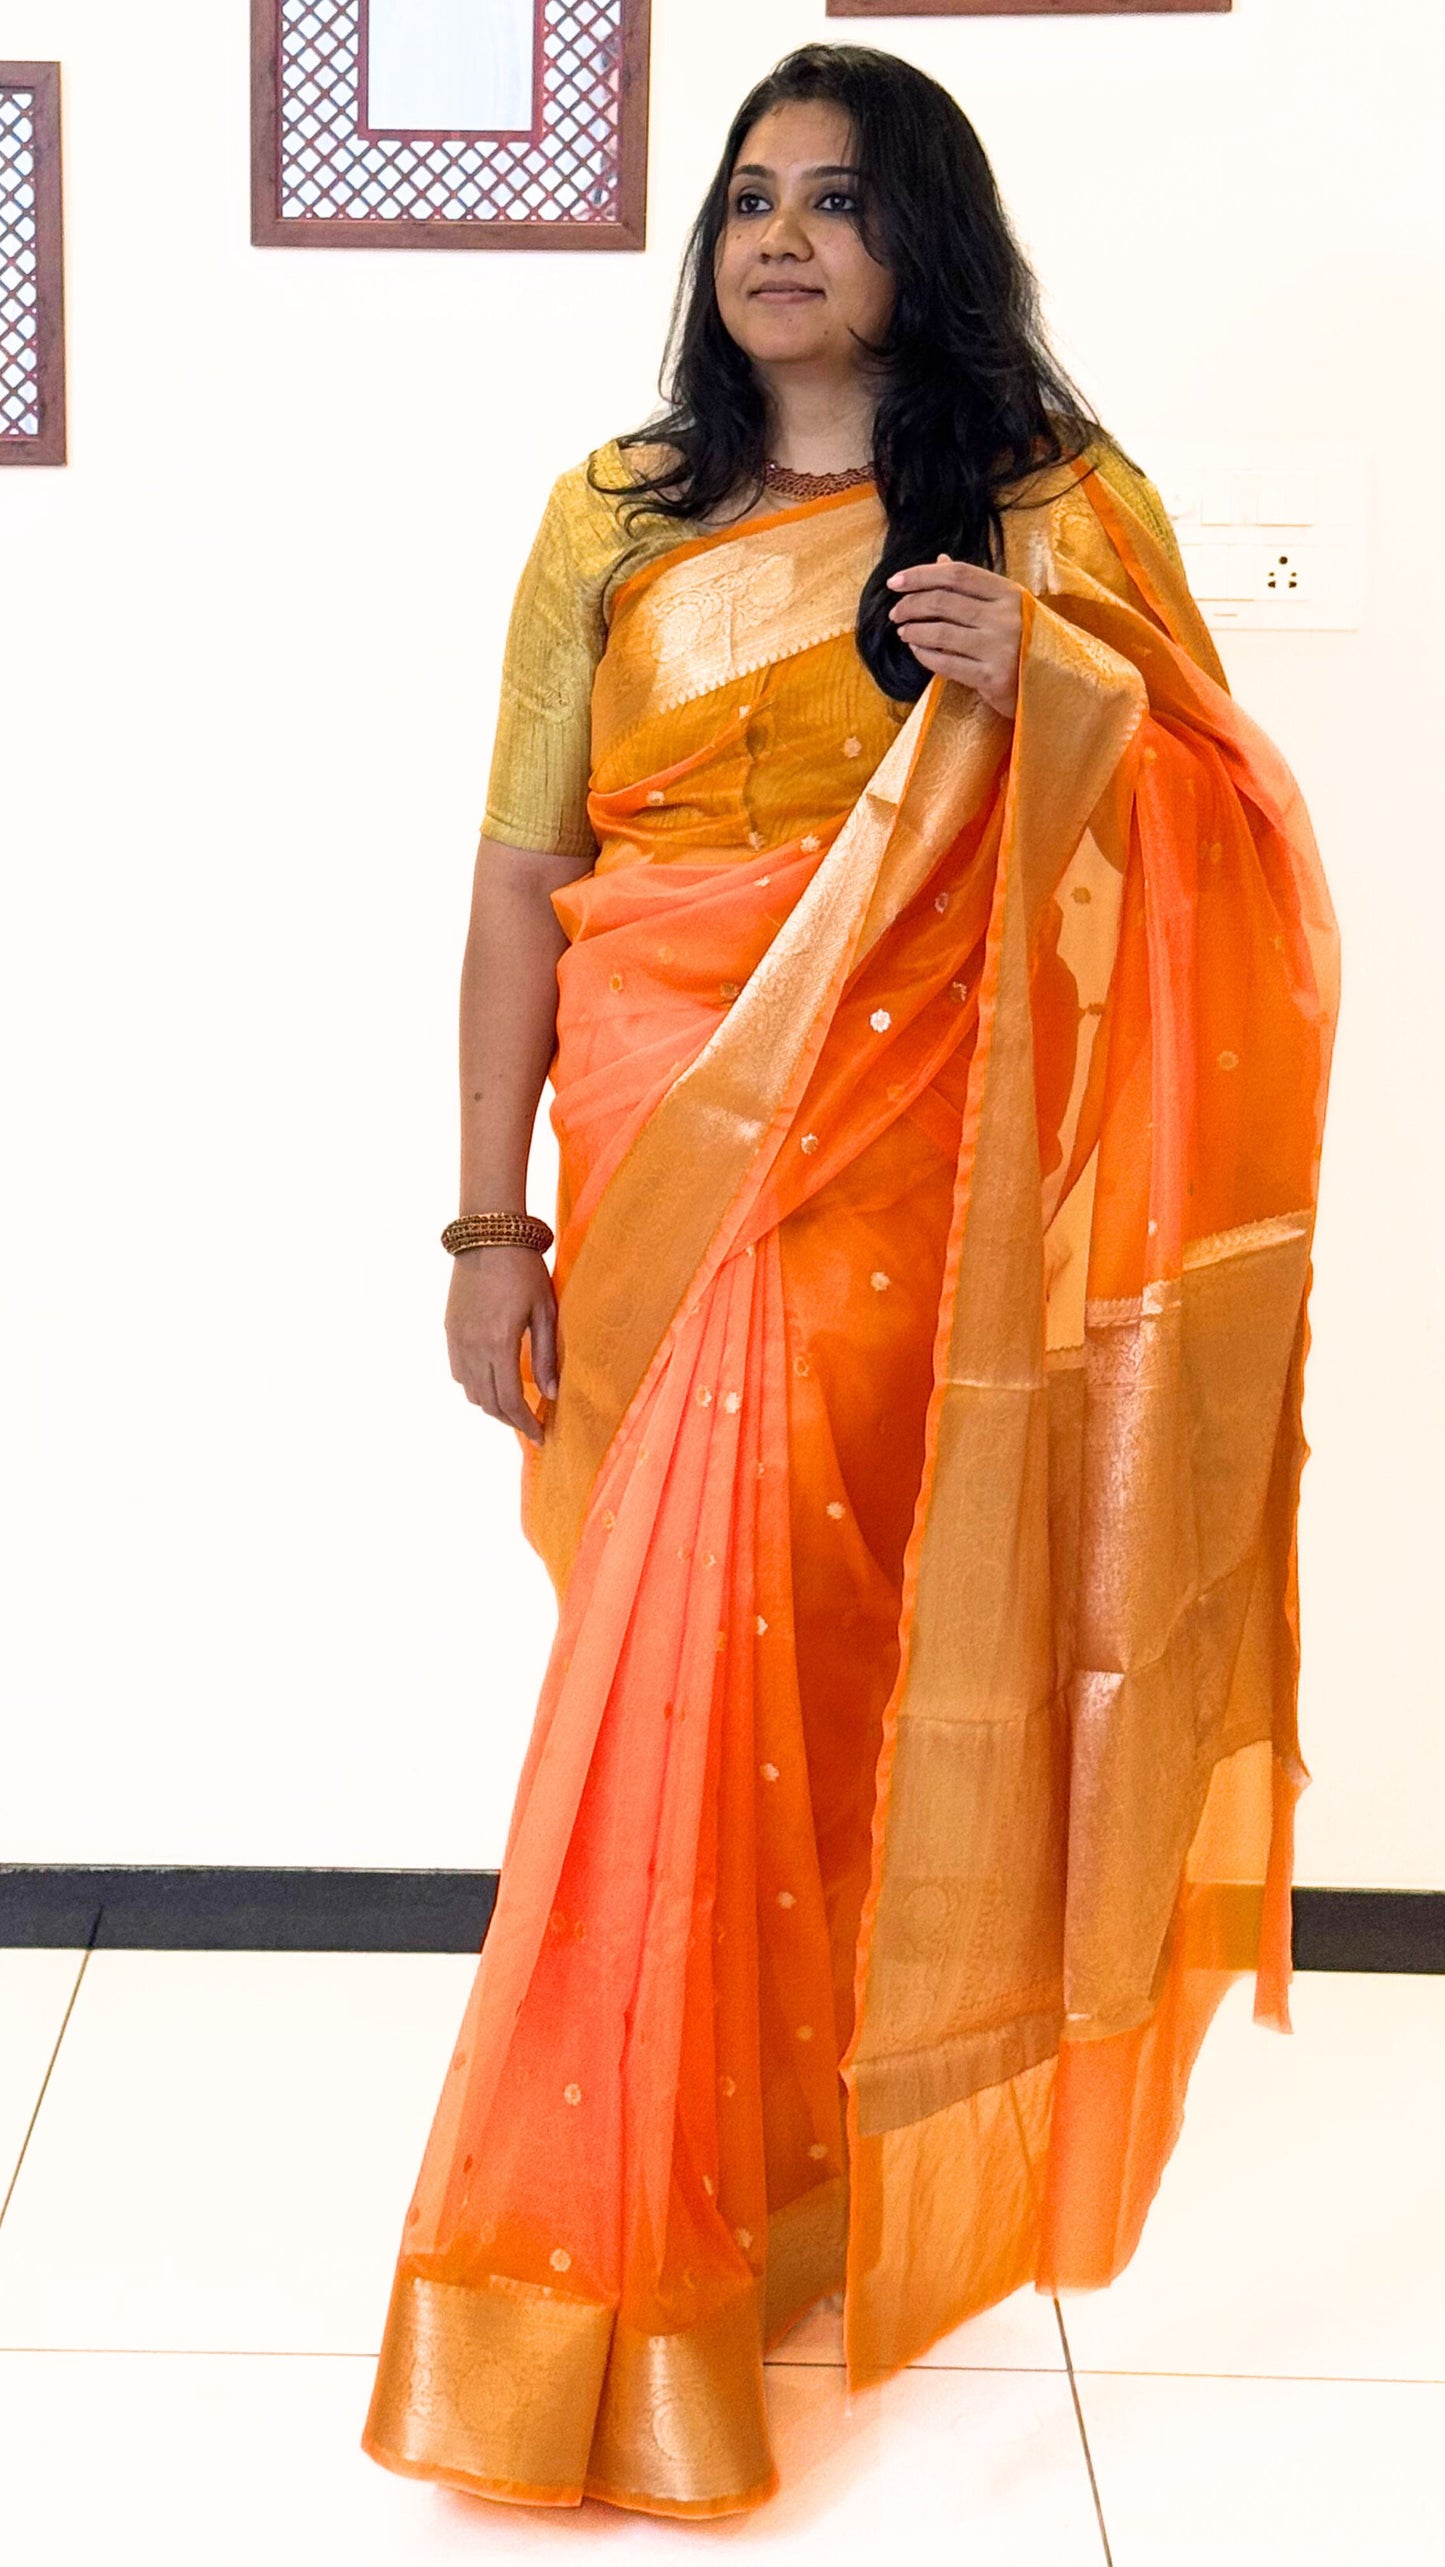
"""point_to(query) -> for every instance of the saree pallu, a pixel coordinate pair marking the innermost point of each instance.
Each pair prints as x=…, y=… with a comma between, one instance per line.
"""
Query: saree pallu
x=916, y=1762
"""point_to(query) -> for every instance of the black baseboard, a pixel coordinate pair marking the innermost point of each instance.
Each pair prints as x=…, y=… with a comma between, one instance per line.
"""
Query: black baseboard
x=171, y=1907
x=176, y=1907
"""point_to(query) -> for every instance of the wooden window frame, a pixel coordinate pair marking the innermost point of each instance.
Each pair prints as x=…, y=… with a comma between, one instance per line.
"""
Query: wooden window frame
x=271, y=229
x=1024, y=8
x=42, y=81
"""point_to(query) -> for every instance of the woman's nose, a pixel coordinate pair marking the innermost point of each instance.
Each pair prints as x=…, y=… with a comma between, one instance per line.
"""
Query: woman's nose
x=786, y=237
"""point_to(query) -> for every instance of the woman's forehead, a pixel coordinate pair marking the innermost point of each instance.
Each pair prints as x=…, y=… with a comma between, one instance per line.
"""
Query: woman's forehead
x=810, y=134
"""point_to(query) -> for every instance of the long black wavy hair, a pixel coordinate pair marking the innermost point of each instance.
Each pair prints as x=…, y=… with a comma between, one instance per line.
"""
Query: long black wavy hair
x=971, y=396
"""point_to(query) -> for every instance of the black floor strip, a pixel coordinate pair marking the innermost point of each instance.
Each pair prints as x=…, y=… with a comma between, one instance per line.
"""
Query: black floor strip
x=184, y=1907
x=233, y=1908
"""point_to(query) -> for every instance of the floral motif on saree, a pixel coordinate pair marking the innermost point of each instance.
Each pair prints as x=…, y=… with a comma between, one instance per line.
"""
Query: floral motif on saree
x=940, y=1105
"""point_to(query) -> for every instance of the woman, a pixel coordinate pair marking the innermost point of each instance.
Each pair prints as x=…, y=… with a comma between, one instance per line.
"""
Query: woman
x=940, y=980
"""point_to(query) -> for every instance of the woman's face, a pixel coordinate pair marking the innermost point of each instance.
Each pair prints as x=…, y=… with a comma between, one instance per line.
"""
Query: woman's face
x=795, y=285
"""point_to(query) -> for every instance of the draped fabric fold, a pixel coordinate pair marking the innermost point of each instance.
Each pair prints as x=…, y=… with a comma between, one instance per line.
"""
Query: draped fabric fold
x=940, y=1105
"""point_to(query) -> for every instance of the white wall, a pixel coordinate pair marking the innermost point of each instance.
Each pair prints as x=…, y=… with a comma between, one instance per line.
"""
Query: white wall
x=269, y=1601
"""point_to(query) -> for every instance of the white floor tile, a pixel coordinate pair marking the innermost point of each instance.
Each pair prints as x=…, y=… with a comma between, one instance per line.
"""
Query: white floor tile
x=264, y=2114
x=1020, y=2334
x=35, y=1989
x=237, y=2460
x=226, y=2150
x=933, y=2465
x=1300, y=2226
x=1268, y=2473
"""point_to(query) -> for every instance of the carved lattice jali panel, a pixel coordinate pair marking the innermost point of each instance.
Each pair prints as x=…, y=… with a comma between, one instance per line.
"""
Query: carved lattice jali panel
x=32, y=391
x=577, y=183
x=19, y=353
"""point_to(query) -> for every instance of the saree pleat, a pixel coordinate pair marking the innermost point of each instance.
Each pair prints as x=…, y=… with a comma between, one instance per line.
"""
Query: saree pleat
x=916, y=1761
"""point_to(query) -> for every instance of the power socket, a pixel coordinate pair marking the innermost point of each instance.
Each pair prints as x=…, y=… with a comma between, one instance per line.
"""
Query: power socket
x=1284, y=573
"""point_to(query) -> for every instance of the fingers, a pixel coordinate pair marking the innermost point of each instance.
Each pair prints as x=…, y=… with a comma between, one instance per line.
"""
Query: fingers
x=993, y=686
x=960, y=579
x=969, y=642
x=964, y=620
x=508, y=1401
x=952, y=664
x=497, y=1297
x=493, y=1382
x=942, y=605
x=963, y=623
x=997, y=617
x=542, y=1332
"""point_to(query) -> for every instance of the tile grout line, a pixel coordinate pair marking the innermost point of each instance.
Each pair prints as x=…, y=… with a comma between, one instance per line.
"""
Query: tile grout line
x=50, y=2063
x=949, y=2370
x=1266, y=2379
x=1083, y=2434
x=348, y=2353
x=342, y=2353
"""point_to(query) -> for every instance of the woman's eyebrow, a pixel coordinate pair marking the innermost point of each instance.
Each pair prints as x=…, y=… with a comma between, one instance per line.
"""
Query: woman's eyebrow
x=828, y=169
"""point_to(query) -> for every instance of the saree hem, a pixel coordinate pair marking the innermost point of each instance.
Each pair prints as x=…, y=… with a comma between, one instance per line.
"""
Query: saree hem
x=508, y=2389
x=559, y=2500
x=700, y=2509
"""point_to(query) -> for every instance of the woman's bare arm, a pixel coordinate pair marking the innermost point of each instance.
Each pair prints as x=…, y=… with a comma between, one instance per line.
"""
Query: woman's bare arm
x=508, y=1032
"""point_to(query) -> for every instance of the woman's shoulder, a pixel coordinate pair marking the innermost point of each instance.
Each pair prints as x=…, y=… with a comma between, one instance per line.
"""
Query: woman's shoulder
x=595, y=500
x=582, y=519
x=593, y=523
x=1121, y=475
x=1059, y=492
x=1057, y=479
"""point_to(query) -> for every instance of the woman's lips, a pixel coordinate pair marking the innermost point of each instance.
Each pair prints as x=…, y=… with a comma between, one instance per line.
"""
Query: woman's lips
x=787, y=293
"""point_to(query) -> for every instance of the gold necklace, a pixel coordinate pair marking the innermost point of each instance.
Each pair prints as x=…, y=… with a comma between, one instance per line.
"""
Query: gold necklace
x=813, y=485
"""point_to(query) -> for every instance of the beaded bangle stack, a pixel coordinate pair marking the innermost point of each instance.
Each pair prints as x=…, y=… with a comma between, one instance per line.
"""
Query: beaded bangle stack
x=495, y=1230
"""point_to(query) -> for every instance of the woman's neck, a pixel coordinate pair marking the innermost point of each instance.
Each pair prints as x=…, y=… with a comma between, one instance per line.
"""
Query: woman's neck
x=819, y=423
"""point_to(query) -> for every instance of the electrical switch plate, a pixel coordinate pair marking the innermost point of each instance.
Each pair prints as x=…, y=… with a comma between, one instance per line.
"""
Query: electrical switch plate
x=1230, y=496
x=1273, y=533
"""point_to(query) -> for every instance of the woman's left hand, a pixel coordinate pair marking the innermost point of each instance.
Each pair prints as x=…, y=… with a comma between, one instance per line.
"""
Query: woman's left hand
x=964, y=623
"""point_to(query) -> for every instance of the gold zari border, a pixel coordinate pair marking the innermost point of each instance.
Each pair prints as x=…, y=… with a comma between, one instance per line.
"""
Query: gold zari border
x=731, y=608
x=510, y=2390
x=493, y=2386
x=1170, y=1671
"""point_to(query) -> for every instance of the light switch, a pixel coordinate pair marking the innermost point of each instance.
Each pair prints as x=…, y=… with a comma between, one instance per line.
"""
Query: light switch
x=1231, y=496
x=1287, y=496
x=1218, y=570
x=1180, y=494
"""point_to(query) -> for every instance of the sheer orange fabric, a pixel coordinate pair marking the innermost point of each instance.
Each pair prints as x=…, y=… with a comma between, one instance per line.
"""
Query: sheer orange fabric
x=940, y=1107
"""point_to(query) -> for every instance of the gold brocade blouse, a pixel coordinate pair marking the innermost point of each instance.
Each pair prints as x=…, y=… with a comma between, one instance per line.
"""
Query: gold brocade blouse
x=541, y=763
x=583, y=552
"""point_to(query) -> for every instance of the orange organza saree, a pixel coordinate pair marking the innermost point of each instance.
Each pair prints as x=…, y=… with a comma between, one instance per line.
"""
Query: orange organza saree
x=940, y=1105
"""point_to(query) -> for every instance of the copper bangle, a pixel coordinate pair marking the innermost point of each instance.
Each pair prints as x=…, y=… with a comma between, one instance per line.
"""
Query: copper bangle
x=495, y=1230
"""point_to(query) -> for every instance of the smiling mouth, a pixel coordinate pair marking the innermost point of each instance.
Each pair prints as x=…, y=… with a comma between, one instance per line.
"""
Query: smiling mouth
x=787, y=293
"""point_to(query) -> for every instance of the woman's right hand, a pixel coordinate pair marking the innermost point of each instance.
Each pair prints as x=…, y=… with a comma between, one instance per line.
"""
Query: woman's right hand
x=499, y=1296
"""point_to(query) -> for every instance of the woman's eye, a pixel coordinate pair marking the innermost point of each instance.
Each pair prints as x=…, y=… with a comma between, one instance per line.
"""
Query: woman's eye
x=749, y=202
x=838, y=201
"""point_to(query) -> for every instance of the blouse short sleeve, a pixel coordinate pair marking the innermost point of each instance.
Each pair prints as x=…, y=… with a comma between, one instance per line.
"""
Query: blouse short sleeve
x=537, y=793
